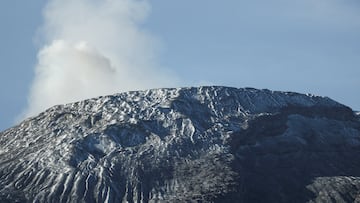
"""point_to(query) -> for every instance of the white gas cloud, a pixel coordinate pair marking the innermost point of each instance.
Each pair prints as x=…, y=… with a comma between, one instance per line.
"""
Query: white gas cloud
x=92, y=48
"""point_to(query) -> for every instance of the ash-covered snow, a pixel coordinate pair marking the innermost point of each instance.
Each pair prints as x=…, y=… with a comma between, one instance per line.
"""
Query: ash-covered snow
x=210, y=144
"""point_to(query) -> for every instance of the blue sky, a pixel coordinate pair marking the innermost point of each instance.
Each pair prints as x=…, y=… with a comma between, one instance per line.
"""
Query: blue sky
x=303, y=46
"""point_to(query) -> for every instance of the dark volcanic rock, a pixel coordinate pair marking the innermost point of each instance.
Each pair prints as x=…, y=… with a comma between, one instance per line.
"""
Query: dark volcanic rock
x=207, y=144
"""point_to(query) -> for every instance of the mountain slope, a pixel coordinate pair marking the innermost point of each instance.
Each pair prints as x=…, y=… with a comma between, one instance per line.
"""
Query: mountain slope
x=210, y=144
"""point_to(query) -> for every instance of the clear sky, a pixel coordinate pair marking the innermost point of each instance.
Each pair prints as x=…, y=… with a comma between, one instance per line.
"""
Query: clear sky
x=303, y=46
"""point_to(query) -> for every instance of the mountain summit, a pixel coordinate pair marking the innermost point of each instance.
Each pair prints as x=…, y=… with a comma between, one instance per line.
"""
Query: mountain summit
x=206, y=144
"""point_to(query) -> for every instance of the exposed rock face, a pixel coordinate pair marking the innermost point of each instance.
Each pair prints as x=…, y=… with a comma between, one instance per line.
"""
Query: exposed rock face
x=209, y=144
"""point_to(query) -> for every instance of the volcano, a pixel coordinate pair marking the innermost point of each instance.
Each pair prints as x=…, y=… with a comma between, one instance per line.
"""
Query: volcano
x=199, y=144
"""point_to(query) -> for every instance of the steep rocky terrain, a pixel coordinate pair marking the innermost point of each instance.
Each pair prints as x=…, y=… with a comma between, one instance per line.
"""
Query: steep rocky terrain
x=207, y=144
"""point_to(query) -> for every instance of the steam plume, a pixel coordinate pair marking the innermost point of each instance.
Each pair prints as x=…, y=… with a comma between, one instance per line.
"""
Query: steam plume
x=92, y=48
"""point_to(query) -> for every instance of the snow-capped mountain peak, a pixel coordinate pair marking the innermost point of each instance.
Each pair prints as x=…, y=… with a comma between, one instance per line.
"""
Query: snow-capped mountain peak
x=209, y=144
